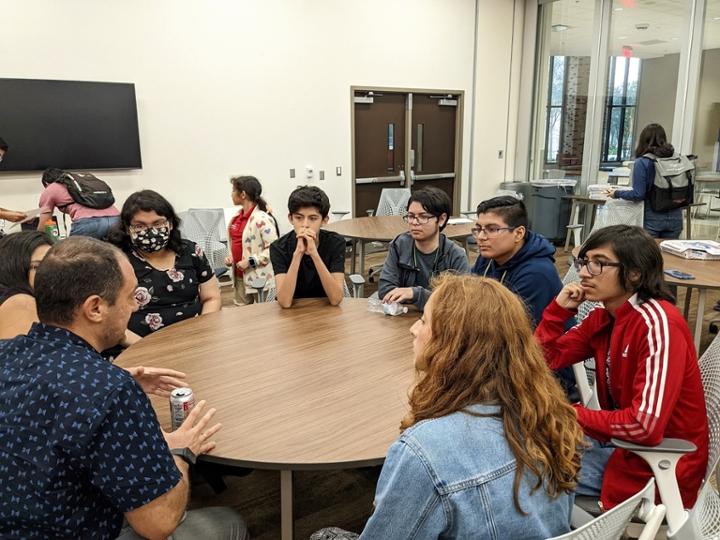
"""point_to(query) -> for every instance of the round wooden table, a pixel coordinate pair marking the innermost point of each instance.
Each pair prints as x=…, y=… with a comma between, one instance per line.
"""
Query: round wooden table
x=384, y=229
x=312, y=387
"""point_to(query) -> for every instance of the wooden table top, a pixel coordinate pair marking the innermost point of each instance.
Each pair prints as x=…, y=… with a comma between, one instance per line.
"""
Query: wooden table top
x=385, y=228
x=310, y=387
x=585, y=199
x=707, y=273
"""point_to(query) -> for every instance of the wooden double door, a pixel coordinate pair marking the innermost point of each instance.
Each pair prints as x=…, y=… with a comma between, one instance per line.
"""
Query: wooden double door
x=405, y=139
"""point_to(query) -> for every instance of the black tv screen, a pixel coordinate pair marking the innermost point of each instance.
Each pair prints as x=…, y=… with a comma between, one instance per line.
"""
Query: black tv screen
x=68, y=125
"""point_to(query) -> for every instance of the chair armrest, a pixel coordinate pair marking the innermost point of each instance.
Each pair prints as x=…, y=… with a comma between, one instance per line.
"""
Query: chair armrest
x=667, y=446
x=356, y=279
x=258, y=283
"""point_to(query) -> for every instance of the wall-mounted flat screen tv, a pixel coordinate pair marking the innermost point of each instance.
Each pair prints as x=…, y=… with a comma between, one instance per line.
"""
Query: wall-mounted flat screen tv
x=68, y=125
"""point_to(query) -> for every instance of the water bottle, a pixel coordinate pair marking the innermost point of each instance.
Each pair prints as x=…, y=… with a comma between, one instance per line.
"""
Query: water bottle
x=52, y=231
x=375, y=305
x=394, y=309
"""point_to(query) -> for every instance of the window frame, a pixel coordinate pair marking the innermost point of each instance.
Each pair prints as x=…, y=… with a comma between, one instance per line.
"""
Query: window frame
x=549, y=107
x=624, y=106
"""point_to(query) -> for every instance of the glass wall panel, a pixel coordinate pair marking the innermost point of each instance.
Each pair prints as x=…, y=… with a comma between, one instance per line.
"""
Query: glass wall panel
x=706, y=134
x=644, y=46
x=562, y=75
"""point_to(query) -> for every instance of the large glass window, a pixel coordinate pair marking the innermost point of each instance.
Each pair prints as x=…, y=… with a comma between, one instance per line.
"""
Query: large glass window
x=563, y=75
x=706, y=136
x=617, y=141
x=556, y=95
x=644, y=49
x=645, y=42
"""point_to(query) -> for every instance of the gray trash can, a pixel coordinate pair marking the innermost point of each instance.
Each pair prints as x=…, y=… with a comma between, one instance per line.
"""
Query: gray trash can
x=522, y=188
x=548, y=212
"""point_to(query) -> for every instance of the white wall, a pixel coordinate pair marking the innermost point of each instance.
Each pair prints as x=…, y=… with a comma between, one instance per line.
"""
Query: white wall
x=497, y=94
x=708, y=109
x=656, y=96
x=228, y=87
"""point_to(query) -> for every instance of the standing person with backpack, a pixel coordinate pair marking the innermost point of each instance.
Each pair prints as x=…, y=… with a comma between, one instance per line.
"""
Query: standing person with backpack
x=661, y=178
x=86, y=199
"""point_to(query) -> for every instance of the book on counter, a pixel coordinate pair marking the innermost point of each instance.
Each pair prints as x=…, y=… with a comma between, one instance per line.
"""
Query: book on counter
x=707, y=250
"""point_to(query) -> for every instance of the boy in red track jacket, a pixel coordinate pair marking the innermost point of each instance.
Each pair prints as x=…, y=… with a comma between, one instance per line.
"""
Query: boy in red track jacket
x=648, y=380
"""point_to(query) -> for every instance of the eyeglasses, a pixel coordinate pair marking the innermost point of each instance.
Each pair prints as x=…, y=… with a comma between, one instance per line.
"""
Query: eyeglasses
x=141, y=227
x=594, y=268
x=491, y=231
x=420, y=219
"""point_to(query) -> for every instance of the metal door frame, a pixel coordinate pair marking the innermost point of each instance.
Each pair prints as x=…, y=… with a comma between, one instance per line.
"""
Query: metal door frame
x=459, y=116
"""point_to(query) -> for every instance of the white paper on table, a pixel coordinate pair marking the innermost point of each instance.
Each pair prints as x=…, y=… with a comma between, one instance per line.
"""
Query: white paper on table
x=458, y=220
x=30, y=215
x=693, y=249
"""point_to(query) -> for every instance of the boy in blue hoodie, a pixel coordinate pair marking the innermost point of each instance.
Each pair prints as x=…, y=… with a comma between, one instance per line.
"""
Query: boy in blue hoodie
x=521, y=260
x=514, y=255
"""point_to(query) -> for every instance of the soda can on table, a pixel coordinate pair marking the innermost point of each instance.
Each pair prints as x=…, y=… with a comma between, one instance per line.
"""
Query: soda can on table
x=182, y=402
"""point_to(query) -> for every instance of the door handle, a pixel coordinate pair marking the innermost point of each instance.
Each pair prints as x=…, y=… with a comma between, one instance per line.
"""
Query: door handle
x=438, y=176
x=380, y=179
x=402, y=178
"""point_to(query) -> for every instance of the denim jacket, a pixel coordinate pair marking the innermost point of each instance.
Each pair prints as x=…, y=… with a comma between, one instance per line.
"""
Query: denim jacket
x=452, y=477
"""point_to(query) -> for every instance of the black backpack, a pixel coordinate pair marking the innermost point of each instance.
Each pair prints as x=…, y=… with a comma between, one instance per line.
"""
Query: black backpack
x=673, y=185
x=87, y=190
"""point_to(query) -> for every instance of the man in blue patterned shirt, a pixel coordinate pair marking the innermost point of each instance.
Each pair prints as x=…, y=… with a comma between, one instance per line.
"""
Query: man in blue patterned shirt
x=80, y=445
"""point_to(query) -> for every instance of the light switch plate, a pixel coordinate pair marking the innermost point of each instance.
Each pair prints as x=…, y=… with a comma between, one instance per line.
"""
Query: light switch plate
x=292, y=173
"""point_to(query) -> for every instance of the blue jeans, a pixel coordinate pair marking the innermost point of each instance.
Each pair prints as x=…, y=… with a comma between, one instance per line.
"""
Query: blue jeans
x=592, y=467
x=666, y=225
x=97, y=227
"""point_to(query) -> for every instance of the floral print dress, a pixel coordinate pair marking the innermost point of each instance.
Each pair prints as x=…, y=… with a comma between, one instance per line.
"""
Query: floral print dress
x=165, y=297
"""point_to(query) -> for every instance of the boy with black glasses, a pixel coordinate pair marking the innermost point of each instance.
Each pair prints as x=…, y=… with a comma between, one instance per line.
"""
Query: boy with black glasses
x=414, y=257
x=518, y=258
x=648, y=380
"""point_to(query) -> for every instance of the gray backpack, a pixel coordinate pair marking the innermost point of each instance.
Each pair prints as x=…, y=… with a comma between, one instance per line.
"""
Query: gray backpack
x=673, y=185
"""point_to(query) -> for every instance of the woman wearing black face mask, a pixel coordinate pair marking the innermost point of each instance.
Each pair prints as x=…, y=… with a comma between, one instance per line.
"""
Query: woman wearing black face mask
x=175, y=280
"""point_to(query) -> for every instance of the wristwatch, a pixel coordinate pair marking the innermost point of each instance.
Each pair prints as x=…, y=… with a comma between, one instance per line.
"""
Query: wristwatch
x=186, y=454
x=252, y=262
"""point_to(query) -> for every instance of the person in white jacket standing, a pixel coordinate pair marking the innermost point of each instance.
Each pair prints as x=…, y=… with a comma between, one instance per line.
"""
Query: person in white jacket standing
x=251, y=232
